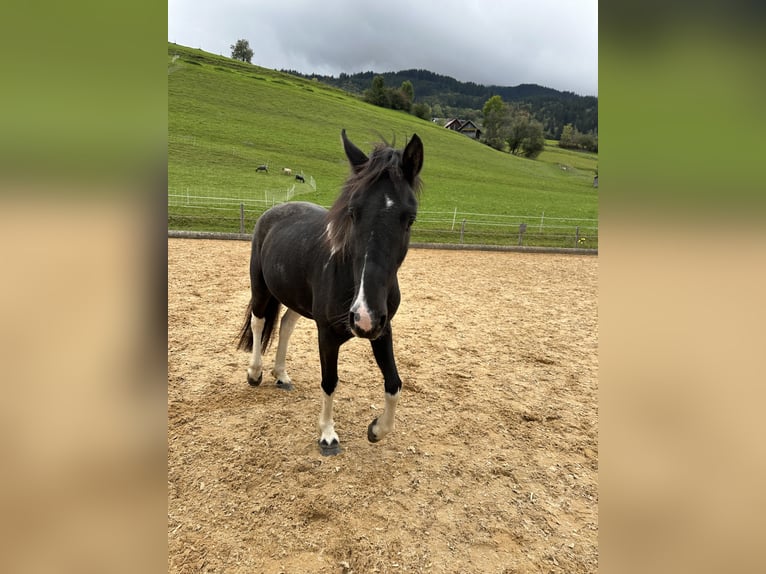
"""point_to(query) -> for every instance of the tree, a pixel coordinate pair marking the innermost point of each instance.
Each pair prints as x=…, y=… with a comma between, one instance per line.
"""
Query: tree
x=534, y=140
x=496, y=122
x=586, y=141
x=422, y=110
x=376, y=94
x=572, y=138
x=493, y=105
x=567, y=136
x=525, y=135
x=519, y=127
x=397, y=100
x=241, y=51
x=408, y=91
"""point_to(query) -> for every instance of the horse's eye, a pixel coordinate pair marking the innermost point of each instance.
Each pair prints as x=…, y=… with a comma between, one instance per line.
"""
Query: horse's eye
x=353, y=213
x=410, y=219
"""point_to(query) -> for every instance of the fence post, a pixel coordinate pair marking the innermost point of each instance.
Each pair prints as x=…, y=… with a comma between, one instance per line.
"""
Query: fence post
x=577, y=236
x=242, y=218
x=522, y=230
x=462, y=230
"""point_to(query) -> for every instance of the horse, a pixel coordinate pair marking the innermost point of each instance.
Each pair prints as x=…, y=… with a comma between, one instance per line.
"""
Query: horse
x=262, y=167
x=299, y=177
x=339, y=268
x=287, y=171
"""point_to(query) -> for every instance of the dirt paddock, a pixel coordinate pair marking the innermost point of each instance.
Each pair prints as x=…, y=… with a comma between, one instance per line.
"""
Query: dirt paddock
x=492, y=465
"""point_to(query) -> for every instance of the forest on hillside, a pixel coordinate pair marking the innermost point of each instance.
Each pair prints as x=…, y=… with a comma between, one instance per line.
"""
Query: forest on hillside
x=451, y=98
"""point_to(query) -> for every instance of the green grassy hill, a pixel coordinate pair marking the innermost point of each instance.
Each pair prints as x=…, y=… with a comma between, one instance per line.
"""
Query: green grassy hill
x=227, y=117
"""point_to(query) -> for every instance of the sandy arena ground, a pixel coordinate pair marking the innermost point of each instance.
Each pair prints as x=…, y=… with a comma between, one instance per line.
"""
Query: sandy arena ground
x=492, y=465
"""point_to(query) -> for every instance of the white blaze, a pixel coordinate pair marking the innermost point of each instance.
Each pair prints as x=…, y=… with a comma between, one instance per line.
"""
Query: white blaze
x=360, y=304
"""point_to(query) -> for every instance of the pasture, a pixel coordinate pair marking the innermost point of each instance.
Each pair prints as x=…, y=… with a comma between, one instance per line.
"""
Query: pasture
x=226, y=118
x=492, y=465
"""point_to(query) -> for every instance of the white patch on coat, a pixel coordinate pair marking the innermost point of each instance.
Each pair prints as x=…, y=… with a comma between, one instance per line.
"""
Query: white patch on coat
x=329, y=233
x=389, y=202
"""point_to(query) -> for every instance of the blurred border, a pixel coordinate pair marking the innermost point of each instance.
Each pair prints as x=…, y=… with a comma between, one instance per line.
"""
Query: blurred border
x=83, y=331
x=682, y=278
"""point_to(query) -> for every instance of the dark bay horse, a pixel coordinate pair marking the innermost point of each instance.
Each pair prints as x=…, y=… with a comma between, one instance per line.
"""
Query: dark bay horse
x=338, y=268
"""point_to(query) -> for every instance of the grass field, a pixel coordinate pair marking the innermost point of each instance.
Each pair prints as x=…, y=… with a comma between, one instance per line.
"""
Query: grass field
x=226, y=117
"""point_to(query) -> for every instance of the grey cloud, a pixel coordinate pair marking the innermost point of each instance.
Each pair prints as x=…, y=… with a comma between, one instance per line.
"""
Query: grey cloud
x=550, y=42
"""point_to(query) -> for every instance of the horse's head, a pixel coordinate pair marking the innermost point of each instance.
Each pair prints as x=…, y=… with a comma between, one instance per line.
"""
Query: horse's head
x=370, y=224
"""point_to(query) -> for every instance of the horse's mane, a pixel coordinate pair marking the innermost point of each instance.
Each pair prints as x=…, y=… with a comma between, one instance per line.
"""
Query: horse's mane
x=383, y=160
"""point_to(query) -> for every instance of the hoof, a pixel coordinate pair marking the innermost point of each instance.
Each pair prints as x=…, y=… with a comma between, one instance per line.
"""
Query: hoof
x=329, y=449
x=285, y=386
x=254, y=382
x=370, y=435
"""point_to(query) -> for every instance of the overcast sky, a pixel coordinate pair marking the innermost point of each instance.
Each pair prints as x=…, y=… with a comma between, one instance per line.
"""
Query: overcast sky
x=553, y=43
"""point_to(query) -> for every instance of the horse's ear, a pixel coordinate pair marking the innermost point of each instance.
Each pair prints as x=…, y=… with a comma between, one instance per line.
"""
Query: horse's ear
x=412, y=158
x=353, y=153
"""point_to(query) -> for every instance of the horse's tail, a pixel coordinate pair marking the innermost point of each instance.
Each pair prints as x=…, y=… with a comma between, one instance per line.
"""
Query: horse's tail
x=246, y=332
x=272, y=311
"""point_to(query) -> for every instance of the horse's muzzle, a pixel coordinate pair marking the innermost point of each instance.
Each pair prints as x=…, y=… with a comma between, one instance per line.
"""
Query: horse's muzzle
x=366, y=325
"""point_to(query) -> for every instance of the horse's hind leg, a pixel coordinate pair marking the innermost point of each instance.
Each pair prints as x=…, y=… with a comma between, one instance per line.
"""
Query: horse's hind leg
x=264, y=315
x=264, y=308
x=255, y=369
x=286, y=326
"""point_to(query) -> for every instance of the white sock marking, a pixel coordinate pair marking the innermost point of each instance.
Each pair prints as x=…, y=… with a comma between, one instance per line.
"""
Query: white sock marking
x=386, y=421
x=326, y=424
x=256, y=366
x=286, y=326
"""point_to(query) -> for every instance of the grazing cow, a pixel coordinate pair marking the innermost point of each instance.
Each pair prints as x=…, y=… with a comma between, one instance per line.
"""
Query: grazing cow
x=299, y=177
x=262, y=167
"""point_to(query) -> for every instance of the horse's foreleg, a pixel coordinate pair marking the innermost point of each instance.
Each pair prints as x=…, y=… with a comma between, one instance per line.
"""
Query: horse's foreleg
x=383, y=349
x=255, y=370
x=289, y=319
x=328, y=354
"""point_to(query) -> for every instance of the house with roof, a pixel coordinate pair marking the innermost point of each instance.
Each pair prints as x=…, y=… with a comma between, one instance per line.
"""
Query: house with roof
x=465, y=127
